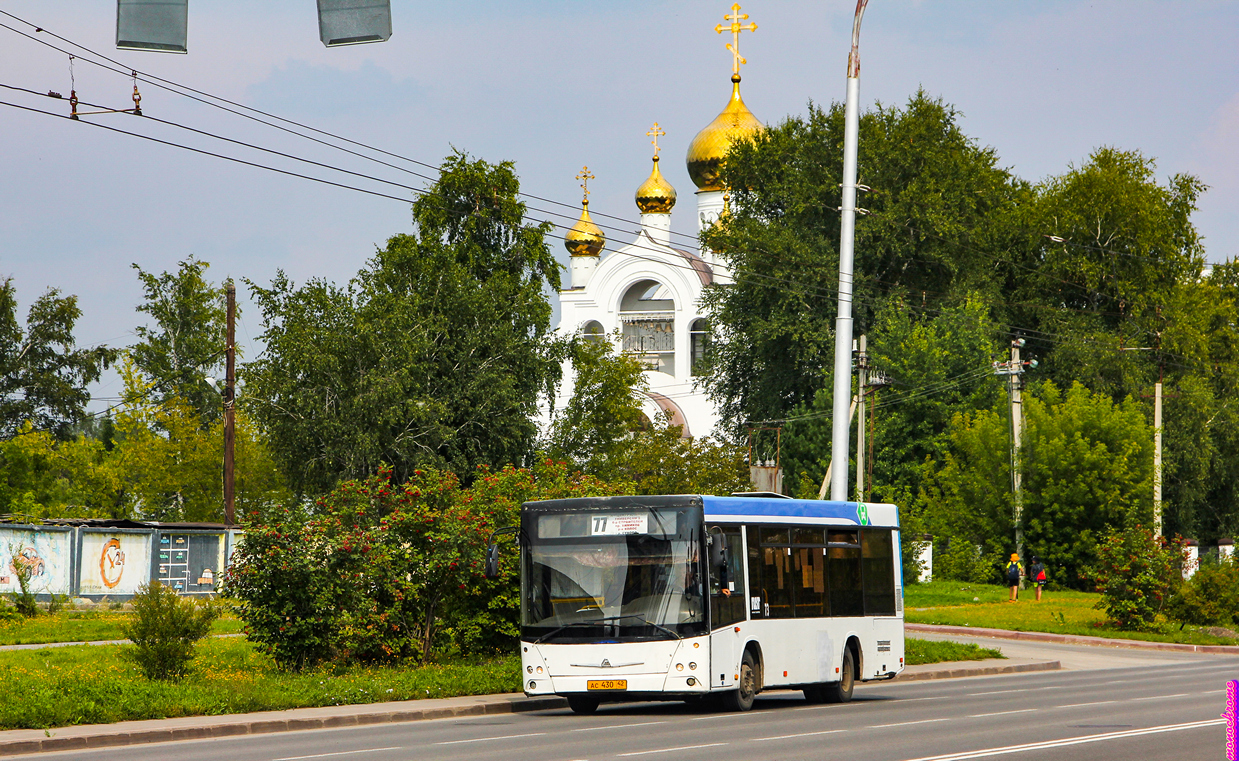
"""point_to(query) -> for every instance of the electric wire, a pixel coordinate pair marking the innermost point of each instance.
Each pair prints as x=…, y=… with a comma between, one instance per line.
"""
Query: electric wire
x=172, y=87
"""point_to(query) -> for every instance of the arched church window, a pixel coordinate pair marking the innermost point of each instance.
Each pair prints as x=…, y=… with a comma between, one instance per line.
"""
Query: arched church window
x=647, y=311
x=698, y=343
x=592, y=331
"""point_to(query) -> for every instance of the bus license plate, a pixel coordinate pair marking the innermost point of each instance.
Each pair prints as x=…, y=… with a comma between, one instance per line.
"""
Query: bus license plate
x=607, y=684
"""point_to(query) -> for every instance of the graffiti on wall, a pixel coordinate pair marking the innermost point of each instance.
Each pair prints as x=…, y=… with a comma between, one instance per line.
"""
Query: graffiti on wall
x=46, y=554
x=114, y=562
x=186, y=561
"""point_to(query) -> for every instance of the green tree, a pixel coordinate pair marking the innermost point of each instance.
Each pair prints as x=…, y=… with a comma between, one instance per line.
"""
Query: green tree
x=937, y=365
x=43, y=375
x=169, y=468
x=1087, y=469
x=604, y=410
x=186, y=343
x=433, y=356
x=660, y=461
x=937, y=232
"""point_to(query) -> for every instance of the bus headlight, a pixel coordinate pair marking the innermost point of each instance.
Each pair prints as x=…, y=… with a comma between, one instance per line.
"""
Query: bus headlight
x=679, y=667
x=692, y=681
x=529, y=669
x=539, y=669
x=532, y=685
x=692, y=666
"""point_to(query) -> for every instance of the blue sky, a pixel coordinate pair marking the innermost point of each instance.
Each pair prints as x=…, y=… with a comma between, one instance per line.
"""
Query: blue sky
x=553, y=85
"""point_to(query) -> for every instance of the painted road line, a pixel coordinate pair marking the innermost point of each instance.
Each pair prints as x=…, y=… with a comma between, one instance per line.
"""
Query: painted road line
x=1002, y=713
x=672, y=750
x=801, y=734
x=1022, y=689
x=1166, y=697
x=1079, y=705
x=1070, y=741
x=618, y=726
x=727, y=716
x=905, y=723
x=341, y=753
x=488, y=739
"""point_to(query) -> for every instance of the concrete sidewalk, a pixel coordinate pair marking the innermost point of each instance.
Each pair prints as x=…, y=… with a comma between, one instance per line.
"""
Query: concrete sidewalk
x=1071, y=639
x=22, y=741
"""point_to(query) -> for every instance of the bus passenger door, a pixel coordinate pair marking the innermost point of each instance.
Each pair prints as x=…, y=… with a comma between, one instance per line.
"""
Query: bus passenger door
x=727, y=600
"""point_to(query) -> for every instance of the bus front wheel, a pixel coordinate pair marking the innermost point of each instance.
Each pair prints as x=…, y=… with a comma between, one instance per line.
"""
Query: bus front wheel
x=841, y=691
x=583, y=704
x=741, y=699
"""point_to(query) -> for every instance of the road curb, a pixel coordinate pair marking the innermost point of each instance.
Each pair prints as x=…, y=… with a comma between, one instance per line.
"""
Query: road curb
x=110, y=736
x=25, y=741
x=963, y=671
x=1072, y=639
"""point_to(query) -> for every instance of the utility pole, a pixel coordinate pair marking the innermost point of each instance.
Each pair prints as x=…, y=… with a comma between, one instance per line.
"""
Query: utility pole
x=862, y=372
x=1014, y=369
x=1157, y=458
x=1017, y=436
x=840, y=423
x=229, y=395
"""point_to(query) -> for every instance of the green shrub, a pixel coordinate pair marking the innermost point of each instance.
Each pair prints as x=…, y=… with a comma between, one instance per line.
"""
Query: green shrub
x=1209, y=598
x=1136, y=573
x=164, y=630
x=383, y=572
x=964, y=561
x=23, y=599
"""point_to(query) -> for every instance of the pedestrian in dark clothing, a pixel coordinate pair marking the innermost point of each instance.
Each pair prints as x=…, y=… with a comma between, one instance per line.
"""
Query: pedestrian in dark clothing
x=1036, y=573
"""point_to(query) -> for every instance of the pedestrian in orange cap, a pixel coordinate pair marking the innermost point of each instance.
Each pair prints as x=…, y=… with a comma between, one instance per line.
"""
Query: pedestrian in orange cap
x=1014, y=572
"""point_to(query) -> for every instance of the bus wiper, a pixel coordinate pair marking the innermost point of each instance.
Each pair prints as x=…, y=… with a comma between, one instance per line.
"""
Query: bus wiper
x=647, y=622
x=596, y=621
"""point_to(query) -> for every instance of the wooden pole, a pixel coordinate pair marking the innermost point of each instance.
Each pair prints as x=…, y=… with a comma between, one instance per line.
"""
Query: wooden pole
x=229, y=395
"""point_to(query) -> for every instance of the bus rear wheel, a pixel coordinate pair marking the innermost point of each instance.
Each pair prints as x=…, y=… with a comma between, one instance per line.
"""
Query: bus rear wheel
x=841, y=691
x=583, y=704
x=741, y=698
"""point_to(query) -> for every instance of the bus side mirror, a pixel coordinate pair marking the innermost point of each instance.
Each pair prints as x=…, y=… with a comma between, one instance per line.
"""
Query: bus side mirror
x=718, y=554
x=492, y=562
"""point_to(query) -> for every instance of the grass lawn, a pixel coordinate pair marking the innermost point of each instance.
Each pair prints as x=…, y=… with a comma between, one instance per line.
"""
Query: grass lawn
x=94, y=685
x=919, y=651
x=1061, y=612
x=81, y=626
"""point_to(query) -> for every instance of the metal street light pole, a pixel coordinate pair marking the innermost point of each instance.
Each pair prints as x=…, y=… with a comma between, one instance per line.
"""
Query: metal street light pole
x=840, y=424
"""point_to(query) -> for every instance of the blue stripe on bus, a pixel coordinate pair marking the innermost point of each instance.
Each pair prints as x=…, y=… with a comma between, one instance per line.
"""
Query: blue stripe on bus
x=790, y=508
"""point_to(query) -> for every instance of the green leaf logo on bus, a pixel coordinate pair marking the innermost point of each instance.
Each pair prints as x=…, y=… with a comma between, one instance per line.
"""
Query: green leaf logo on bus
x=862, y=514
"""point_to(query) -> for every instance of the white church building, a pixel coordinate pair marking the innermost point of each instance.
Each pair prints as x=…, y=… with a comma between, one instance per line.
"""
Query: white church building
x=648, y=291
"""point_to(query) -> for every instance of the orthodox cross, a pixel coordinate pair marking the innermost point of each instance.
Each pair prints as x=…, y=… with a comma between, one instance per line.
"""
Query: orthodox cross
x=655, y=133
x=585, y=177
x=735, y=17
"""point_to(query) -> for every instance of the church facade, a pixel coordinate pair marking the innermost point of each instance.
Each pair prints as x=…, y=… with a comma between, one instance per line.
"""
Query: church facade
x=646, y=294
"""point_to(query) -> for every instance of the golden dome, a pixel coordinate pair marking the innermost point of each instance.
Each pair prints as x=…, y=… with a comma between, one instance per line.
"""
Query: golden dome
x=655, y=196
x=710, y=147
x=585, y=238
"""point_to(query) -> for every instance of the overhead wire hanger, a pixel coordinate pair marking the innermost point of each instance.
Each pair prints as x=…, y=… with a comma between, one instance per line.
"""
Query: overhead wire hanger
x=73, y=101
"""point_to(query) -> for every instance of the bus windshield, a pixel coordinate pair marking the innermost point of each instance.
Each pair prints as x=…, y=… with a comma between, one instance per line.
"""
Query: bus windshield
x=614, y=575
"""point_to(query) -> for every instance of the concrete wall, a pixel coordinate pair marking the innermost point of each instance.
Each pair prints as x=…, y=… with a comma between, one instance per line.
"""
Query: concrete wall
x=91, y=562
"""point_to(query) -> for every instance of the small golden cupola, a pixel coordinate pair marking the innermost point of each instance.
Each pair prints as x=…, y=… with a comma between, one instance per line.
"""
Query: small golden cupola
x=585, y=238
x=735, y=123
x=655, y=196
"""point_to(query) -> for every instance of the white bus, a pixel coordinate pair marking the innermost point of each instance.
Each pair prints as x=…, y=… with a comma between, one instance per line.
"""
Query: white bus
x=686, y=597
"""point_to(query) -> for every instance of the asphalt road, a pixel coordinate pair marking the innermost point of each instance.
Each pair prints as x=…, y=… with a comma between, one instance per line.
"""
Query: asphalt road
x=1163, y=709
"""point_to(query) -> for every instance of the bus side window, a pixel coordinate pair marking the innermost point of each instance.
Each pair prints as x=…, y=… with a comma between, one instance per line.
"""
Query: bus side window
x=843, y=573
x=879, y=572
x=810, y=573
x=727, y=596
x=757, y=600
x=777, y=566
